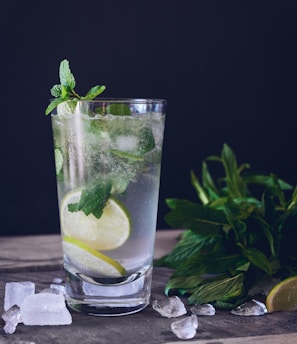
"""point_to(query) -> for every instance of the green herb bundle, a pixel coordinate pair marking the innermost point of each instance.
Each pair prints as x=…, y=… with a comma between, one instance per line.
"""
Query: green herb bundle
x=232, y=239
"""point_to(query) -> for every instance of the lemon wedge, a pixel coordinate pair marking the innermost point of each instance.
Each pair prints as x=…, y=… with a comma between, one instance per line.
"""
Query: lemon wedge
x=283, y=296
x=108, y=232
x=85, y=258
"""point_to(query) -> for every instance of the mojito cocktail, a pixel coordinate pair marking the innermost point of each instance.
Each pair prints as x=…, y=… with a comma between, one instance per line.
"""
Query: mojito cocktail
x=108, y=159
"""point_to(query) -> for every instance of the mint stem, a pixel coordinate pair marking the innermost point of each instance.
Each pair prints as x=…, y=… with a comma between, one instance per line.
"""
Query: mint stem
x=75, y=94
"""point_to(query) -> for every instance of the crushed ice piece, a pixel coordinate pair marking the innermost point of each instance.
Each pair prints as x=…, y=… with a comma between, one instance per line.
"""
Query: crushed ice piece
x=205, y=309
x=186, y=327
x=57, y=280
x=12, y=314
x=12, y=318
x=16, y=292
x=250, y=308
x=59, y=288
x=45, y=309
x=9, y=328
x=170, y=307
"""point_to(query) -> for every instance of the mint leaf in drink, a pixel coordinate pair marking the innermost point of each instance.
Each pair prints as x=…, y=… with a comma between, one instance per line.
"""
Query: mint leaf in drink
x=65, y=90
x=93, y=199
x=118, y=109
x=125, y=155
x=147, y=141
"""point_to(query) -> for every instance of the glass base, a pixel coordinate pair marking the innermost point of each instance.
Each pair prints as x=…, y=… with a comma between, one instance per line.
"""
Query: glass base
x=104, y=311
x=108, y=297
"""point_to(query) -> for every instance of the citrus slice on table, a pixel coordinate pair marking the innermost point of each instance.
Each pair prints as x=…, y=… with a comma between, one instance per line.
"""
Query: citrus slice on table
x=108, y=232
x=85, y=257
x=283, y=296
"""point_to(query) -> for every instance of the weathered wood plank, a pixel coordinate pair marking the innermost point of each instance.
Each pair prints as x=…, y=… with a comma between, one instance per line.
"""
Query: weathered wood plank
x=44, y=252
x=38, y=259
x=146, y=327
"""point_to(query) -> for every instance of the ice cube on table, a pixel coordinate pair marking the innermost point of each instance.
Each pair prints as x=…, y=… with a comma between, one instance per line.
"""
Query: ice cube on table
x=186, y=327
x=205, y=309
x=170, y=307
x=16, y=292
x=59, y=288
x=9, y=328
x=45, y=309
x=12, y=318
x=250, y=308
x=57, y=280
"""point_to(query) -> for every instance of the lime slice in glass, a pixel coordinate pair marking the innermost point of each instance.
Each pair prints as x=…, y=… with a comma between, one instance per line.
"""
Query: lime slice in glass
x=89, y=260
x=108, y=232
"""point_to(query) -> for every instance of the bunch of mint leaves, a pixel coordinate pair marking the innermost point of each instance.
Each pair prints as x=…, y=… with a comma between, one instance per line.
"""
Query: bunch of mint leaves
x=65, y=91
x=233, y=238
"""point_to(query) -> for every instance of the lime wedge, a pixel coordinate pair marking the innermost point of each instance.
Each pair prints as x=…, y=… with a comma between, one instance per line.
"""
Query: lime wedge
x=283, y=296
x=85, y=257
x=108, y=232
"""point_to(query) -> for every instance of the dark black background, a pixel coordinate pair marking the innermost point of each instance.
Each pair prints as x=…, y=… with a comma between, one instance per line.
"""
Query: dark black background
x=227, y=69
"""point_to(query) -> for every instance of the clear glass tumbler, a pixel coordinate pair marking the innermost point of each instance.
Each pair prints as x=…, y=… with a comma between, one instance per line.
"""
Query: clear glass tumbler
x=108, y=160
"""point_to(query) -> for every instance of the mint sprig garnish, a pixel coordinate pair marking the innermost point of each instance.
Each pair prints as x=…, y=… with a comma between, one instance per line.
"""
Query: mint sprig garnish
x=242, y=230
x=66, y=89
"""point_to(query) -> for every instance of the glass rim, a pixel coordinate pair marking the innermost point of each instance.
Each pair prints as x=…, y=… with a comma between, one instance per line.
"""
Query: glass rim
x=121, y=100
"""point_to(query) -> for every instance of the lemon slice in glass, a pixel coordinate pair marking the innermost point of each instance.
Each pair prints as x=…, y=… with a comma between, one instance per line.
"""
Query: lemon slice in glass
x=283, y=296
x=108, y=232
x=88, y=260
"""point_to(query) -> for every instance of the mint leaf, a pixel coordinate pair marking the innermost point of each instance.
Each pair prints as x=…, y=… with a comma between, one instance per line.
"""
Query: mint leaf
x=188, y=246
x=117, y=109
x=202, y=220
x=186, y=283
x=147, y=141
x=56, y=91
x=224, y=290
x=234, y=181
x=93, y=199
x=94, y=92
x=66, y=77
x=201, y=192
x=125, y=155
x=258, y=258
x=53, y=104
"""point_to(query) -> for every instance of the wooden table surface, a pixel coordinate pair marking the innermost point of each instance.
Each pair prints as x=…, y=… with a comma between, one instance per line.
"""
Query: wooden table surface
x=39, y=259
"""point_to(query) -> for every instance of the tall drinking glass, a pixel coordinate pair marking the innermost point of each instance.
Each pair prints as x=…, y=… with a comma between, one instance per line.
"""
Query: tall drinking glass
x=108, y=159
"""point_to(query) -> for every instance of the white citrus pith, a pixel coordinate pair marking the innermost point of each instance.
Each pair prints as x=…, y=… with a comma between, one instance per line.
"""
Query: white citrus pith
x=108, y=232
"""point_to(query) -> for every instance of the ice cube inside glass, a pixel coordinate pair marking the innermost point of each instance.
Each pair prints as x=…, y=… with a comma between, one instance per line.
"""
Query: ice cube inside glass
x=108, y=161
